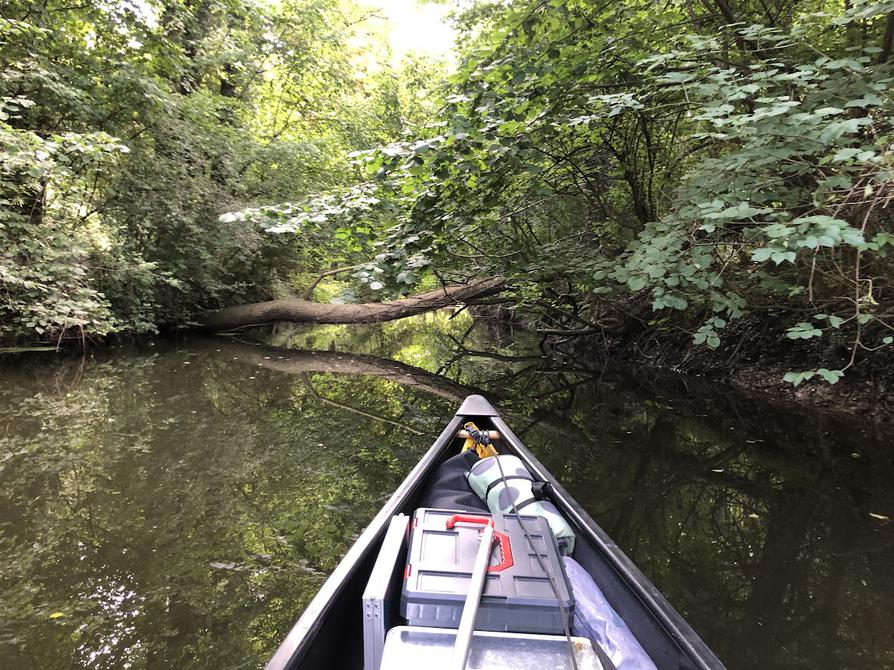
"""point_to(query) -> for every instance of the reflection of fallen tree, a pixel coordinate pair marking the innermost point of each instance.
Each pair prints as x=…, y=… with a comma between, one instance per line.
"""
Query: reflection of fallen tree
x=300, y=362
x=304, y=362
x=614, y=396
x=349, y=408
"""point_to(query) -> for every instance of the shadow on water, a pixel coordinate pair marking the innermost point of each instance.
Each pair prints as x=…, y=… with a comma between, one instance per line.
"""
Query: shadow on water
x=177, y=504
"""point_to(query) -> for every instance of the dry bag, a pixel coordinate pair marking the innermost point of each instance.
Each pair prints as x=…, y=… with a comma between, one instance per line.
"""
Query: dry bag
x=508, y=484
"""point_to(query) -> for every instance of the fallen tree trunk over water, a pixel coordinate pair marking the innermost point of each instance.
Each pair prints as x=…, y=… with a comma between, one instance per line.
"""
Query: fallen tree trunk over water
x=306, y=311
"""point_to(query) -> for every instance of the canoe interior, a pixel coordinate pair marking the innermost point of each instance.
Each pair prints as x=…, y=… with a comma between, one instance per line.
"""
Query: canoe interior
x=329, y=633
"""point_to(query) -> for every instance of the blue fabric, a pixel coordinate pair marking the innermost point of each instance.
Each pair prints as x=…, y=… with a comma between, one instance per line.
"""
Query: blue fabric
x=594, y=618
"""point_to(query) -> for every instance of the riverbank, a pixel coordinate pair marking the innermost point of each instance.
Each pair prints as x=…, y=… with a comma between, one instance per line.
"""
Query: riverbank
x=754, y=357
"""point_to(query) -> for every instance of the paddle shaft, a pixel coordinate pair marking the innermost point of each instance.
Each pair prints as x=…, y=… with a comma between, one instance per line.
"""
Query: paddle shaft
x=470, y=608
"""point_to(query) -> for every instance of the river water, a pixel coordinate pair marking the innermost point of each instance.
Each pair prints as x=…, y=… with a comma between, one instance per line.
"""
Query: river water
x=177, y=503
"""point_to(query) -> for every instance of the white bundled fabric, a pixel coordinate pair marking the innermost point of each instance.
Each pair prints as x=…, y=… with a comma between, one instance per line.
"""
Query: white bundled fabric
x=594, y=618
x=509, y=484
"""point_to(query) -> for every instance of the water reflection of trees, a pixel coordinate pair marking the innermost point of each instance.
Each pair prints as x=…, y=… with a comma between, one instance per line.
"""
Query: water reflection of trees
x=208, y=488
x=179, y=513
x=753, y=519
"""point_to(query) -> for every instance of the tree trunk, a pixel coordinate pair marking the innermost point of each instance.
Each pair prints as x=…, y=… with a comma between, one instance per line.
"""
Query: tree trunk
x=887, y=40
x=305, y=311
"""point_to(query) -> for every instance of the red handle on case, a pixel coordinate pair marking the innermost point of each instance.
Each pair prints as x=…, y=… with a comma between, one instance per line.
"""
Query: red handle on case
x=502, y=538
x=467, y=518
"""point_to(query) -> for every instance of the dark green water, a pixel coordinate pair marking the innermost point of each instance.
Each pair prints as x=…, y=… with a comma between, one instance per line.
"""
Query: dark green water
x=175, y=505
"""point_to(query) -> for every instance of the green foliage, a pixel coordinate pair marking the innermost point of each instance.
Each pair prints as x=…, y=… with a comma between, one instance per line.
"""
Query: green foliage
x=785, y=179
x=797, y=378
x=679, y=166
x=43, y=267
x=803, y=331
x=126, y=130
x=724, y=165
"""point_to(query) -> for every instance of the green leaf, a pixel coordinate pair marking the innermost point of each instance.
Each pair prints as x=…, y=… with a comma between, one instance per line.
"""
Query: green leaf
x=762, y=254
x=803, y=331
x=676, y=78
x=831, y=376
x=868, y=100
x=797, y=378
x=782, y=256
x=852, y=236
x=675, y=301
x=636, y=283
x=829, y=111
x=845, y=154
x=743, y=210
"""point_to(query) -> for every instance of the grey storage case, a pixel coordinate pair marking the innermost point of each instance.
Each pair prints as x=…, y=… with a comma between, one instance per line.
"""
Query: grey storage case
x=518, y=596
x=380, y=590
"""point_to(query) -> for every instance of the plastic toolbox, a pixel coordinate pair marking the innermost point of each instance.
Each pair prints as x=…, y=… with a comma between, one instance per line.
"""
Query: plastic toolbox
x=518, y=595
